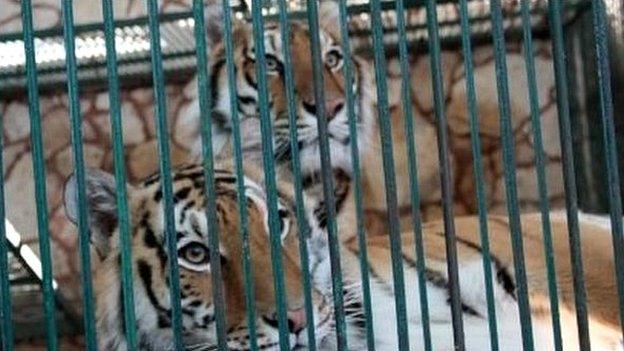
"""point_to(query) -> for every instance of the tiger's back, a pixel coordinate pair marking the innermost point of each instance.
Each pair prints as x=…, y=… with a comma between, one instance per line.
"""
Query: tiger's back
x=599, y=269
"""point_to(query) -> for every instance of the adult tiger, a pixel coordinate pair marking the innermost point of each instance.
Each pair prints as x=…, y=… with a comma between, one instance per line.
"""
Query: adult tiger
x=150, y=255
x=152, y=291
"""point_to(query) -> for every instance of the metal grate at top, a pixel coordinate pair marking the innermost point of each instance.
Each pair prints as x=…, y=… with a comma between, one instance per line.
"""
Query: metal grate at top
x=133, y=50
x=448, y=14
x=178, y=44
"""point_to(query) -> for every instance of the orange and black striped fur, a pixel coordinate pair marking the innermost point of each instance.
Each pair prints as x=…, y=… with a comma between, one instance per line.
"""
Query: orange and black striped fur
x=150, y=260
x=151, y=288
x=334, y=91
x=600, y=284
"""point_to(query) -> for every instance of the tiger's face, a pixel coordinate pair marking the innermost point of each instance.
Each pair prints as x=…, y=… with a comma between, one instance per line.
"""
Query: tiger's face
x=334, y=90
x=150, y=258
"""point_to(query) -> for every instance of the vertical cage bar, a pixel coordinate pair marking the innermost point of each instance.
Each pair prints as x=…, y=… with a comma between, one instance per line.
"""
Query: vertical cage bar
x=479, y=179
x=327, y=175
x=542, y=185
x=6, y=324
x=304, y=228
x=589, y=169
x=240, y=178
x=357, y=177
x=509, y=164
x=160, y=116
x=563, y=110
x=581, y=91
x=389, y=174
x=445, y=174
x=406, y=100
x=205, y=107
x=39, y=178
x=79, y=169
x=127, y=290
x=610, y=146
x=269, y=179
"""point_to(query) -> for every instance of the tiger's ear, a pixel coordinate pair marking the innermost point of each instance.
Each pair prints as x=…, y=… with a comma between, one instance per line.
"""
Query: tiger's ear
x=213, y=22
x=329, y=17
x=101, y=206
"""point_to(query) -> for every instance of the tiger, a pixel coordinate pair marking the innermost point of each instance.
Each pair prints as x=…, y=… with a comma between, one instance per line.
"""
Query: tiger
x=151, y=290
x=150, y=258
x=599, y=272
x=334, y=90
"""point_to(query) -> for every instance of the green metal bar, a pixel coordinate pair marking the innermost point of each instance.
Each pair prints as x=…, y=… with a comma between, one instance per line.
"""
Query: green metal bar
x=79, y=169
x=610, y=146
x=445, y=175
x=120, y=177
x=125, y=241
x=507, y=139
x=205, y=107
x=304, y=229
x=327, y=175
x=240, y=177
x=356, y=176
x=479, y=179
x=408, y=116
x=542, y=185
x=160, y=117
x=592, y=165
x=582, y=90
x=6, y=326
x=266, y=130
x=39, y=178
x=563, y=110
x=389, y=175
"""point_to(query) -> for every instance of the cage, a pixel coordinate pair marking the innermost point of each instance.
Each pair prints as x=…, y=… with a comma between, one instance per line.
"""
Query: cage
x=481, y=107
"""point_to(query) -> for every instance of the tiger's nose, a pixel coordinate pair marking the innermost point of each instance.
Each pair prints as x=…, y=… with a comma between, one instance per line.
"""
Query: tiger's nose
x=333, y=107
x=296, y=320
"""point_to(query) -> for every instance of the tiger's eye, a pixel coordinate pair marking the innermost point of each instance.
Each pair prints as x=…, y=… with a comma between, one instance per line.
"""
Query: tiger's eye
x=333, y=59
x=272, y=64
x=195, y=253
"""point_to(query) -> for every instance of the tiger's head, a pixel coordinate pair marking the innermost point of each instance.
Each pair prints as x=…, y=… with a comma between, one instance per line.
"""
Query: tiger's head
x=150, y=261
x=334, y=89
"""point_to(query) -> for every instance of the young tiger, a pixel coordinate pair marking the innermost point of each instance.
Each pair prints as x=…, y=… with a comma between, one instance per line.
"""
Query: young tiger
x=334, y=90
x=150, y=256
x=599, y=273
